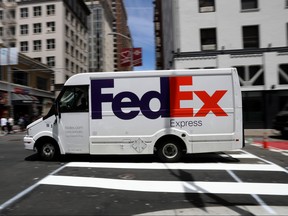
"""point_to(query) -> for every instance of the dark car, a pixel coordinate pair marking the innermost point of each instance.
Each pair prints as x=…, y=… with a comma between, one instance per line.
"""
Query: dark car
x=280, y=122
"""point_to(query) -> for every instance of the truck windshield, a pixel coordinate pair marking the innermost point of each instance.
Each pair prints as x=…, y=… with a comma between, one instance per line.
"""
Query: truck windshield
x=71, y=99
x=74, y=99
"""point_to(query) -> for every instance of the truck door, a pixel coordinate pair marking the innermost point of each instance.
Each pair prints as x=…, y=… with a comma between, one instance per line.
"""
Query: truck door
x=73, y=120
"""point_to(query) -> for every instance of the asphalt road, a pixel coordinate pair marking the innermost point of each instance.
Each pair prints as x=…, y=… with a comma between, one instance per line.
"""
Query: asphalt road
x=252, y=181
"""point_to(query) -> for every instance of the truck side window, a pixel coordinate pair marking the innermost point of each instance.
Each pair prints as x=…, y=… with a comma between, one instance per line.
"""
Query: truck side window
x=74, y=99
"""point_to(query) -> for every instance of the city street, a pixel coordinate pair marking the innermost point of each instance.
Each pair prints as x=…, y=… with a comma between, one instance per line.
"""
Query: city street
x=251, y=181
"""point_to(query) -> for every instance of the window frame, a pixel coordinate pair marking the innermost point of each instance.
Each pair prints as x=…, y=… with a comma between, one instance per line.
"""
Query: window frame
x=51, y=61
x=37, y=11
x=248, y=38
x=74, y=107
x=37, y=28
x=244, y=4
x=50, y=44
x=24, y=31
x=203, y=38
x=206, y=6
x=37, y=45
x=51, y=27
x=50, y=11
x=24, y=12
x=24, y=46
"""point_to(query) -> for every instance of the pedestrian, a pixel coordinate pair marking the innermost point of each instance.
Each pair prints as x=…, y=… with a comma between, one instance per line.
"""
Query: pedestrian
x=10, y=124
x=4, y=122
x=21, y=123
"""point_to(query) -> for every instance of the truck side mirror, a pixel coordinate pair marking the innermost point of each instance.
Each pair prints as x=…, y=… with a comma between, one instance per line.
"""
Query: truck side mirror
x=57, y=109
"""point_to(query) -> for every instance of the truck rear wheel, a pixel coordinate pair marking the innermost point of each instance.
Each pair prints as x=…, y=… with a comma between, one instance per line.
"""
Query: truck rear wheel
x=170, y=151
x=48, y=151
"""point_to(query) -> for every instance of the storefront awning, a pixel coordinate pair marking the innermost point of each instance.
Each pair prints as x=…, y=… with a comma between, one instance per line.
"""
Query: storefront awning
x=23, y=99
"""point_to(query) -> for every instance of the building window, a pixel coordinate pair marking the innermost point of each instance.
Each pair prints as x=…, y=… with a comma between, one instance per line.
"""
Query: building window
x=287, y=32
x=42, y=83
x=38, y=59
x=249, y=4
x=252, y=75
x=20, y=77
x=12, y=13
x=12, y=30
x=37, y=11
x=50, y=44
x=208, y=39
x=24, y=30
x=1, y=31
x=37, y=45
x=66, y=31
x=67, y=64
x=24, y=46
x=206, y=6
x=50, y=26
x=50, y=61
x=67, y=47
x=50, y=10
x=24, y=12
x=67, y=14
x=37, y=28
x=283, y=74
x=250, y=37
x=1, y=14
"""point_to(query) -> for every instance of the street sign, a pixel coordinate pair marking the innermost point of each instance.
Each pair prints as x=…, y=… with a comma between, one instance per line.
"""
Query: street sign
x=126, y=58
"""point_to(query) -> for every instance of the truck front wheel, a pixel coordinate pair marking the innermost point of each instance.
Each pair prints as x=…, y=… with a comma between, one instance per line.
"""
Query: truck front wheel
x=48, y=151
x=170, y=151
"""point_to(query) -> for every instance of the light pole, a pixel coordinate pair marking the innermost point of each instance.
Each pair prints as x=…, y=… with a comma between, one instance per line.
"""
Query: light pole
x=131, y=48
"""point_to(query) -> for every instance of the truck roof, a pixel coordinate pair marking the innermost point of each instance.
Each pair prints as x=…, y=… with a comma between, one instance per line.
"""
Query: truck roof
x=85, y=78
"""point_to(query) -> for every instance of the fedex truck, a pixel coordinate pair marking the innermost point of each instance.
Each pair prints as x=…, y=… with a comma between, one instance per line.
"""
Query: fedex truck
x=166, y=113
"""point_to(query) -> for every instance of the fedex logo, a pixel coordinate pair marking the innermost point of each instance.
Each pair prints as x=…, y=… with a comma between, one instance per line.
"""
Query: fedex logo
x=169, y=97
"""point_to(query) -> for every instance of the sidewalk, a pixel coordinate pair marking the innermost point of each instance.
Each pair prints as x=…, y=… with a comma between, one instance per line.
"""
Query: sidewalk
x=268, y=139
x=15, y=129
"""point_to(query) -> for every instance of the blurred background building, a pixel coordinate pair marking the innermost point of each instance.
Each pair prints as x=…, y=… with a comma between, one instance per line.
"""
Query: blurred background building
x=59, y=38
x=120, y=26
x=100, y=22
x=251, y=35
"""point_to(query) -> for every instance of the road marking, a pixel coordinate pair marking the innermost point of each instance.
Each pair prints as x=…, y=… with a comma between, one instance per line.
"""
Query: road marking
x=218, y=210
x=26, y=191
x=182, y=166
x=170, y=186
x=255, y=196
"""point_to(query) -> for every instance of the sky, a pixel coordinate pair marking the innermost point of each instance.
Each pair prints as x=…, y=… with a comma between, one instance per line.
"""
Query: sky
x=140, y=22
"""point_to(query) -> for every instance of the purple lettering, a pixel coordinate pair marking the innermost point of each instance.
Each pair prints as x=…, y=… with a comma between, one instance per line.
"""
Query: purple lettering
x=98, y=98
x=126, y=100
x=118, y=104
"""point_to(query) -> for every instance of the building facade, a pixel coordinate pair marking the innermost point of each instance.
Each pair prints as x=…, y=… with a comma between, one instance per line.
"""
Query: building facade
x=100, y=22
x=28, y=92
x=251, y=35
x=123, y=38
x=54, y=33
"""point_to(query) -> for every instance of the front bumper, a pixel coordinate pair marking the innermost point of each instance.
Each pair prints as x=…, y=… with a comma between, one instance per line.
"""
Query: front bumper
x=29, y=142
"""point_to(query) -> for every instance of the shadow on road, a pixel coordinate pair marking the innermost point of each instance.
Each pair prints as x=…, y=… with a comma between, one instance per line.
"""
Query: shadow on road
x=190, y=158
x=197, y=200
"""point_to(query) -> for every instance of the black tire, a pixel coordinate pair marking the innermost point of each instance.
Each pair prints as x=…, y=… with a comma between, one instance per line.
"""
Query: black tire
x=48, y=151
x=170, y=150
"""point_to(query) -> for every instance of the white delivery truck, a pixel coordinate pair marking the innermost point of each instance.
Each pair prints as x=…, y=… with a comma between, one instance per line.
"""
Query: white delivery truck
x=167, y=113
